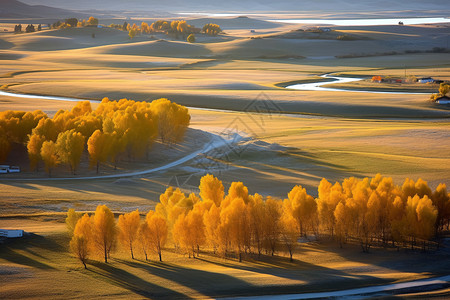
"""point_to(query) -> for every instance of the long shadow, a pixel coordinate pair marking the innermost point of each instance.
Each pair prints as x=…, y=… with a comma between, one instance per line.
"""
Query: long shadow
x=216, y=285
x=29, y=243
x=405, y=260
x=317, y=278
x=9, y=252
x=205, y=282
x=133, y=283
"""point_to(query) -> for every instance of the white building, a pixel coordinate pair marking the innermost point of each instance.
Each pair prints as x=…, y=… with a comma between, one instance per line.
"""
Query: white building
x=426, y=80
x=11, y=233
x=443, y=100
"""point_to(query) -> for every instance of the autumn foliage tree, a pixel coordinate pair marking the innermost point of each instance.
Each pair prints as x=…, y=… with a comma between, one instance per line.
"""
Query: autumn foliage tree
x=128, y=226
x=49, y=154
x=116, y=129
x=104, y=231
x=368, y=211
x=81, y=242
x=70, y=147
x=157, y=231
x=211, y=29
x=98, y=148
x=172, y=120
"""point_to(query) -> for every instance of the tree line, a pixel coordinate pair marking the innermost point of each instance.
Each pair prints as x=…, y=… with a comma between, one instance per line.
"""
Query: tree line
x=367, y=210
x=74, y=22
x=114, y=129
x=175, y=28
x=28, y=29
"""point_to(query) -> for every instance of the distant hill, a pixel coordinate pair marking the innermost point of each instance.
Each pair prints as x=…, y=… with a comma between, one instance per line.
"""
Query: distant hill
x=17, y=9
x=235, y=23
x=247, y=5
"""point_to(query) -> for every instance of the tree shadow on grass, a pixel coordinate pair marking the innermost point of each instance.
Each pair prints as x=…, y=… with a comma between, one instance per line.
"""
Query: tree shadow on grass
x=126, y=280
x=433, y=262
x=11, y=249
x=207, y=283
x=317, y=278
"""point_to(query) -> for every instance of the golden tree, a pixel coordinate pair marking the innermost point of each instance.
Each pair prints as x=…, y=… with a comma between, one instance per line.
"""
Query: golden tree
x=257, y=218
x=93, y=21
x=98, y=148
x=70, y=145
x=34, y=146
x=441, y=200
x=128, y=226
x=49, y=154
x=181, y=235
x=158, y=232
x=81, y=239
x=145, y=239
x=46, y=128
x=172, y=120
x=72, y=219
x=303, y=208
x=271, y=223
x=234, y=227
x=104, y=231
x=211, y=219
x=211, y=29
x=211, y=188
x=329, y=197
x=289, y=231
x=191, y=38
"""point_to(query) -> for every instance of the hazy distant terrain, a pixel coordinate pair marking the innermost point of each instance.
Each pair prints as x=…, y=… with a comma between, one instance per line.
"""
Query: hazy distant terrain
x=16, y=9
x=247, y=5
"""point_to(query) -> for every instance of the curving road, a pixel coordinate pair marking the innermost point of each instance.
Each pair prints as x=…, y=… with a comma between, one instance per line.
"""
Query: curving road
x=217, y=141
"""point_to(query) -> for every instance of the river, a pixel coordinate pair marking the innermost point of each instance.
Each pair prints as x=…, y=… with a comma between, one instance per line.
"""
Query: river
x=318, y=86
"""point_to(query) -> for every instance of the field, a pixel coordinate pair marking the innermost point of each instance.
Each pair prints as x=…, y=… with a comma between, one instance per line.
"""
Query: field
x=42, y=257
x=232, y=84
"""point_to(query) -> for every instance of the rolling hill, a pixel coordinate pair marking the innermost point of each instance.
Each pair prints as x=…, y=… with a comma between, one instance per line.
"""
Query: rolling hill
x=17, y=9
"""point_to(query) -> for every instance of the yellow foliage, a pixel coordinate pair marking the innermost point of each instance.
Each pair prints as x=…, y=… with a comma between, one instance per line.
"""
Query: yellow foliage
x=49, y=154
x=128, y=226
x=211, y=188
x=72, y=219
x=157, y=232
x=103, y=231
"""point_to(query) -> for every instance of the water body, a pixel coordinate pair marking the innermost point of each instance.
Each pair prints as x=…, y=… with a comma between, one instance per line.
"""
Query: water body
x=318, y=86
x=337, y=22
x=366, y=22
x=3, y=93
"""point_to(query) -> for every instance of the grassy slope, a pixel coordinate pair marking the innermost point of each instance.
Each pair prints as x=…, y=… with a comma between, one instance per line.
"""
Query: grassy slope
x=30, y=265
x=331, y=147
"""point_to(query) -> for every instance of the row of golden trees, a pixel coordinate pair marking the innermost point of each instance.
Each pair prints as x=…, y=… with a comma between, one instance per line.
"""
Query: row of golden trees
x=367, y=210
x=74, y=22
x=175, y=28
x=114, y=129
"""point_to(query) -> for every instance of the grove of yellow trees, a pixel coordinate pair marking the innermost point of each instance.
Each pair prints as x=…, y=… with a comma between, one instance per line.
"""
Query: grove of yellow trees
x=367, y=211
x=114, y=129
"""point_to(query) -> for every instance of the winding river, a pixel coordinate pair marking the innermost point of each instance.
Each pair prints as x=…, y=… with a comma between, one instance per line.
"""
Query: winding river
x=314, y=86
x=318, y=86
